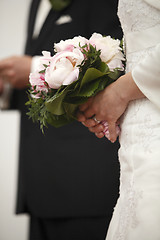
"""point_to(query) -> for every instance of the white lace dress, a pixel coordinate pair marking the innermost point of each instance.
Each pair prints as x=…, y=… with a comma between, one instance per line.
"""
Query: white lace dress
x=137, y=212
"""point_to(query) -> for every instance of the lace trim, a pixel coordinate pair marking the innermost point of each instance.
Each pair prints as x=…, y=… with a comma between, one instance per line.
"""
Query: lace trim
x=132, y=13
x=127, y=215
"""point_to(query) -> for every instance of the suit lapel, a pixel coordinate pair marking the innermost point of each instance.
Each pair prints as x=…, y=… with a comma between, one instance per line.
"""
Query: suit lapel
x=31, y=22
x=32, y=17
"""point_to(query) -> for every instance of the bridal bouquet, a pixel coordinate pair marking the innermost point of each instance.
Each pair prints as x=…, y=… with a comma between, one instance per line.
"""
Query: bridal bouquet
x=79, y=69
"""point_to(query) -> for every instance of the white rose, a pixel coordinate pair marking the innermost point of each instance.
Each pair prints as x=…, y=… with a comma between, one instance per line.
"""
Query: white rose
x=63, y=68
x=110, y=49
x=69, y=44
x=116, y=62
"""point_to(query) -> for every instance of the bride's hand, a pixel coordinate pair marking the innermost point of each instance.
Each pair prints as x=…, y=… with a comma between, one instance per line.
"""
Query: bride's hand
x=109, y=105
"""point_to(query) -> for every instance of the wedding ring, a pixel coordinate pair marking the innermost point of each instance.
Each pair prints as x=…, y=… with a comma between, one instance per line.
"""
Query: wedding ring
x=95, y=119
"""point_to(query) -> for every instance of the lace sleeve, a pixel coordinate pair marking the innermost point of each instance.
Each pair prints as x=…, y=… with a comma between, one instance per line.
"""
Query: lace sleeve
x=147, y=76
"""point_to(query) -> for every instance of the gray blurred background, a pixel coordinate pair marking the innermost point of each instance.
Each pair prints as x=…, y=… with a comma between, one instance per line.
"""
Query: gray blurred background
x=13, y=16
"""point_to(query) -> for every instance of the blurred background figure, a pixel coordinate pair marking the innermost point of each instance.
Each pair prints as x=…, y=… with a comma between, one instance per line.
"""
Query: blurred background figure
x=66, y=190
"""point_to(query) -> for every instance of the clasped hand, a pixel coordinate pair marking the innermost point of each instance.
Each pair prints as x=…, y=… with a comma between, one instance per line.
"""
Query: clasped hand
x=109, y=105
x=15, y=70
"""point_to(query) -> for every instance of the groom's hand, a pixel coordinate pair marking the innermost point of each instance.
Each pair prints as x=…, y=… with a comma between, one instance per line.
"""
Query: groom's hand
x=15, y=70
x=1, y=86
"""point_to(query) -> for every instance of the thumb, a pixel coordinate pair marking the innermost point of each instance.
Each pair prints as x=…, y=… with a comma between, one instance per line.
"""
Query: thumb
x=85, y=105
x=112, y=132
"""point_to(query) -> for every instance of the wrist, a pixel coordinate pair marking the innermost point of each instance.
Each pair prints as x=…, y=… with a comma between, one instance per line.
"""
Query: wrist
x=129, y=90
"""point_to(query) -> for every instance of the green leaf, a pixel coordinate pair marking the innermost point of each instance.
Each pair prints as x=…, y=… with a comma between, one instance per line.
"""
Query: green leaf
x=90, y=75
x=45, y=65
x=89, y=89
x=76, y=100
x=55, y=105
x=58, y=121
x=42, y=71
x=103, y=67
x=114, y=74
x=104, y=83
x=71, y=109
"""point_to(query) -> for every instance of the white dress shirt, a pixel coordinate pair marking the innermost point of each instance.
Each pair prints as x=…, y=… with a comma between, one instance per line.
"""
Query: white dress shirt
x=42, y=13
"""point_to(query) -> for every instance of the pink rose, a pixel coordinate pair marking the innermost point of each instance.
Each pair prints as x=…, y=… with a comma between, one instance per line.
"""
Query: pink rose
x=63, y=69
x=44, y=60
x=70, y=43
x=37, y=81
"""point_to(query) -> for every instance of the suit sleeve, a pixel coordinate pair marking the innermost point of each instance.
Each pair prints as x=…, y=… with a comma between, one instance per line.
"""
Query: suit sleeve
x=147, y=76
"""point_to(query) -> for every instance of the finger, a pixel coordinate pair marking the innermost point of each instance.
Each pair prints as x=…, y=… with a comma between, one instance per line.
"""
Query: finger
x=4, y=64
x=90, y=123
x=7, y=74
x=81, y=117
x=112, y=132
x=89, y=113
x=97, y=128
x=99, y=135
x=84, y=106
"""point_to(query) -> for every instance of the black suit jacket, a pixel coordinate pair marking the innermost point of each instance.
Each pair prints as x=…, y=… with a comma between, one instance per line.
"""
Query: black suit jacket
x=67, y=172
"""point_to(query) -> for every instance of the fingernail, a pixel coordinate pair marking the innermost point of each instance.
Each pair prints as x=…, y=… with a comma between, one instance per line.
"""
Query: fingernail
x=105, y=124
